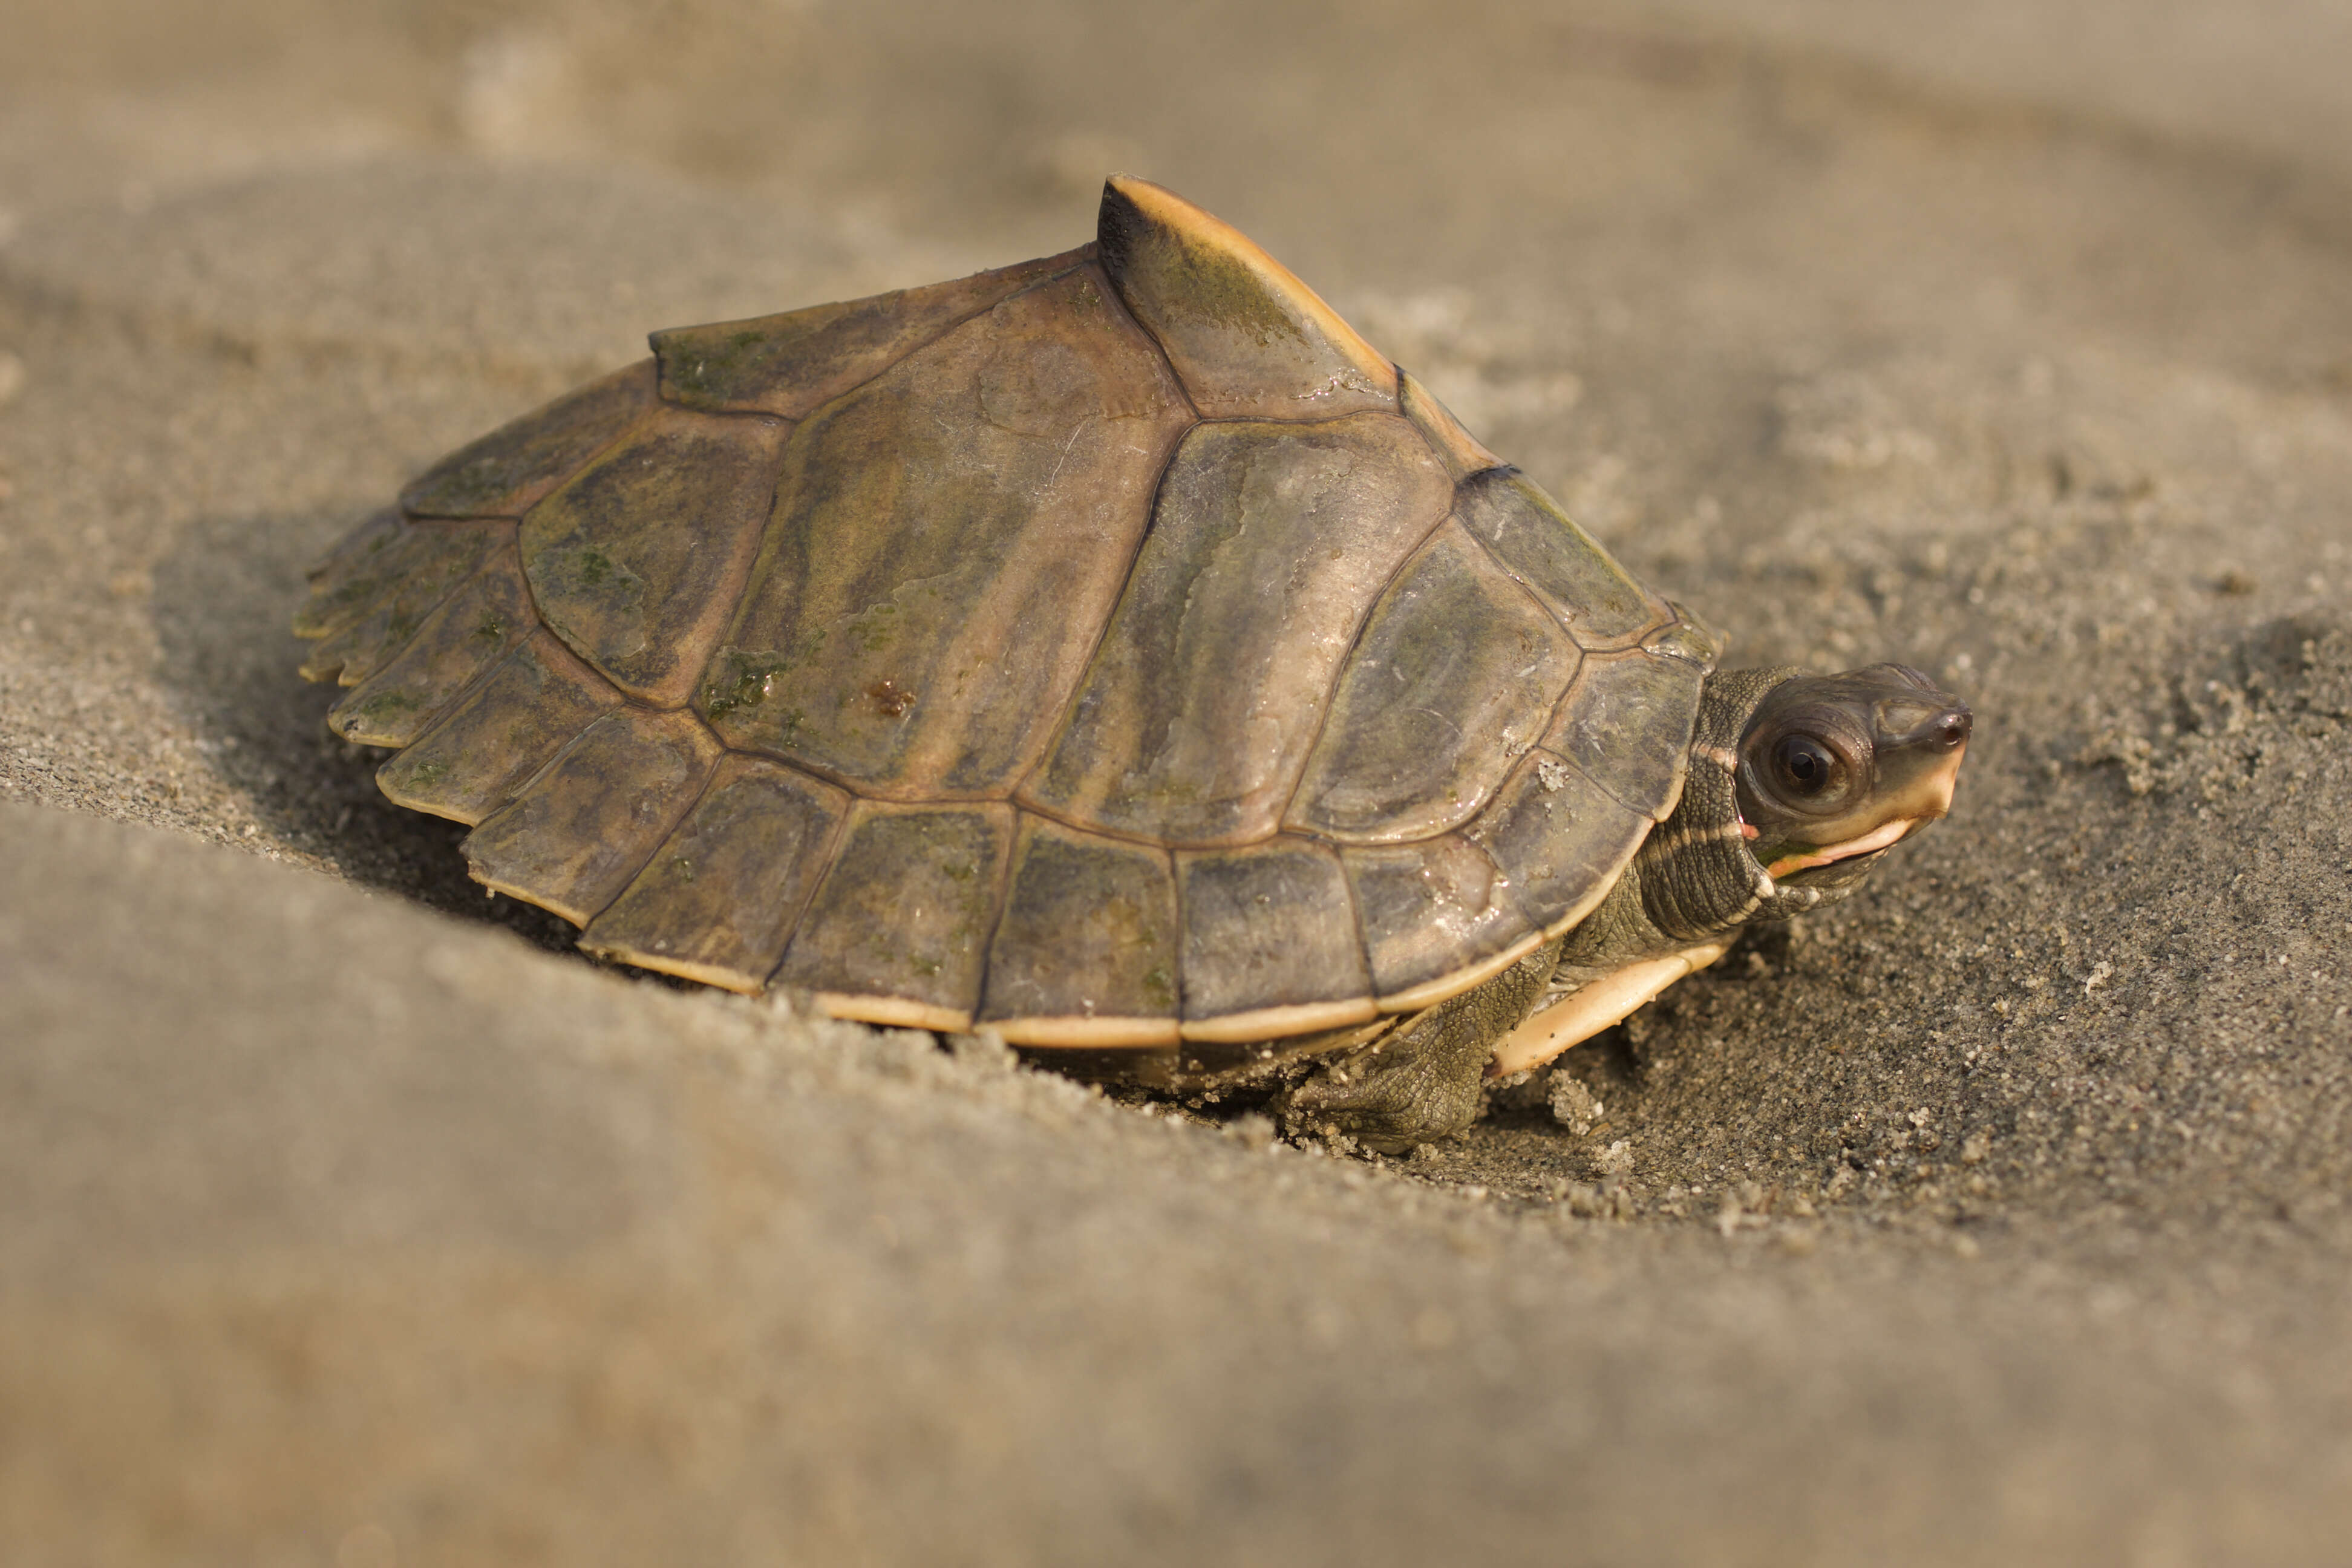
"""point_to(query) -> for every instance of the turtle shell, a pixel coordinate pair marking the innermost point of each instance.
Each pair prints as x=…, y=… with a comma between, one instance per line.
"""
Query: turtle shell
x=1112, y=649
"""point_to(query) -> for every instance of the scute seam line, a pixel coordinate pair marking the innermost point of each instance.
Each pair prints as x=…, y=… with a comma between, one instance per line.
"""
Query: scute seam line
x=557, y=755
x=1498, y=464
x=741, y=588
x=674, y=823
x=793, y=429
x=1061, y=730
x=457, y=698
x=530, y=589
x=1000, y=899
x=569, y=474
x=1356, y=642
x=451, y=593
x=833, y=841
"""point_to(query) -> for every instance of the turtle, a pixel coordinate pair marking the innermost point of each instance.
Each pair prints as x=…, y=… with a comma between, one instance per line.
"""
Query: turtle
x=1113, y=650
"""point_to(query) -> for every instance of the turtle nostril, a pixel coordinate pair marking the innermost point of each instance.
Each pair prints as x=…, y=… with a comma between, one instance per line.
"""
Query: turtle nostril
x=1952, y=729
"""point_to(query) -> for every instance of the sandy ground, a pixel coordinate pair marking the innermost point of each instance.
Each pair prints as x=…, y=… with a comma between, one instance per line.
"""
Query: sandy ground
x=1999, y=1215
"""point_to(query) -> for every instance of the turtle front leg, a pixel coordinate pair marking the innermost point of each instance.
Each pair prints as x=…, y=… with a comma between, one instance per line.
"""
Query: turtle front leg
x=1421, y=1082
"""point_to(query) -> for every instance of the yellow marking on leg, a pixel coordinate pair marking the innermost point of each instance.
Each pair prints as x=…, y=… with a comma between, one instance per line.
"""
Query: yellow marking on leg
x=1609, y=1000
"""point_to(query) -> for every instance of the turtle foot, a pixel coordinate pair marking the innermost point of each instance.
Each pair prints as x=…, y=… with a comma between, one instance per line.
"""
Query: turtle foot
x=1388, y=1096
x=1425, y=1079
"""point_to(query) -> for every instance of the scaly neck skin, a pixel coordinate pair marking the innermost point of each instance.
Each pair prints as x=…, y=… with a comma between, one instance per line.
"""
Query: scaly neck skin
x=1694, y=880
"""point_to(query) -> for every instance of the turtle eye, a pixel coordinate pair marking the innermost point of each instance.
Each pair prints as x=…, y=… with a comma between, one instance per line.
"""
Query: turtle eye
x=1805, y=769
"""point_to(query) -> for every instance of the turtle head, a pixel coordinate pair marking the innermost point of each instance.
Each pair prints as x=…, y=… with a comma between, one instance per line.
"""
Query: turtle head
x=1834, y=769
x=1799, y=784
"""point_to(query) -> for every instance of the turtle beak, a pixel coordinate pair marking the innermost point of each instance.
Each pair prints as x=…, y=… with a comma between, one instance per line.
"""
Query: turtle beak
x=1920, y=744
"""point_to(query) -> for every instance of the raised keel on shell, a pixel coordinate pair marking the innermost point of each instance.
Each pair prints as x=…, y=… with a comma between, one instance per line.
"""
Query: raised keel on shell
x=1248, y=339
x=1462, y=453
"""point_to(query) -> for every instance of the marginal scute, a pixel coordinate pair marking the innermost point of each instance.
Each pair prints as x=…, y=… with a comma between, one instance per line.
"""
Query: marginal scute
x=476, y=755
x=947, y=543
x=577, y=834
x=717, y=901
x=1462, y=453
x=1267, y=927
x=1627, y=723
x=1429, y=912
x=330, y=607
x=638, y=561
x=507, y=472
x=1559, y=837
x=374, y=612
x=903, y=914
x=1247, y=337
x=1580, y=582
x=1454, y=675
x=486, y=618
x=372, y=562
x=1086, y=952
x=788, y=364
x=1268, y=545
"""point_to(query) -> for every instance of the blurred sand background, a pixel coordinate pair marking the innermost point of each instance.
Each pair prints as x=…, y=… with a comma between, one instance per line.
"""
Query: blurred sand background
x=1999, y=1215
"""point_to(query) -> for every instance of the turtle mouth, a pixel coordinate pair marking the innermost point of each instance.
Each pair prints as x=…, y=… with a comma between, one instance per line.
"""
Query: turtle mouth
x=1885, y=834
x=1927, y=797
